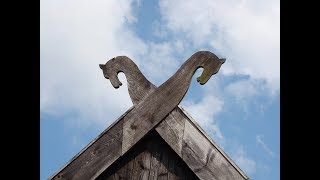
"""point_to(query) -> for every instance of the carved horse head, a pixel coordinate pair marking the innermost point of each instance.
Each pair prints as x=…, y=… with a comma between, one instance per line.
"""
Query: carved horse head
x=111, y=70
x=210, y=67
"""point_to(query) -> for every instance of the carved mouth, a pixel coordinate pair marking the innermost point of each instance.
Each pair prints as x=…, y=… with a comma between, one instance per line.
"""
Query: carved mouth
x=205, y=76
x=208, y=71
x=116, y=85
x=201, y=80
x=115, y=82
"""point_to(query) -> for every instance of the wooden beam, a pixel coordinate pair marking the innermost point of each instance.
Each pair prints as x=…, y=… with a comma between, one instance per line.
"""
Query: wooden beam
x=155, y=108
x=211, y=159
x=160, y=102
x=171, y=129
x=181, y=133
x=96, y=156
x=196, y=148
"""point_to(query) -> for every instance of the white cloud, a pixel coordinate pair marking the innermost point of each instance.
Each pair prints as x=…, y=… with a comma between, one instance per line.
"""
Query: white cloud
x=264, y=146
x=159, y=62
x=246, y=94
x=158, y=29
x=204, y=113
x=247, y=33
x=242, y=89
x=77, y=36
x=245, y=163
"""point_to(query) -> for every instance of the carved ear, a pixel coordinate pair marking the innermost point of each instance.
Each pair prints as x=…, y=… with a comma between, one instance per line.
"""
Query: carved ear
x=101, y=66
x=223, y=60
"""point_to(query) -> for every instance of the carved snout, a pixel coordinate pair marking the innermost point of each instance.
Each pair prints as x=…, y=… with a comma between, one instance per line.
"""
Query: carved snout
x=203, y=78
x=115, y=81
x=103, y=67
x=210, y=70
x=223, y=60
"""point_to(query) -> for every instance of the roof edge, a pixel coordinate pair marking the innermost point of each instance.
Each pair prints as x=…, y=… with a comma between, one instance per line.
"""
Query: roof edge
x=213, y=143
x=88, y=145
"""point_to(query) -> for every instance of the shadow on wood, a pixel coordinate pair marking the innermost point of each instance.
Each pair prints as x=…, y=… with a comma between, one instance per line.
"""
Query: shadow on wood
x=151, y=158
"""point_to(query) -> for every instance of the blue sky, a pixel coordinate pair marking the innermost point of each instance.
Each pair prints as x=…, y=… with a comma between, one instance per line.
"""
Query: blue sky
x=239, y=107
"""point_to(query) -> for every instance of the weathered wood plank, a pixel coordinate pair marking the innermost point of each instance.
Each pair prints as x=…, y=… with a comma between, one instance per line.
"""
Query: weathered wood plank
x=122, y=170
x=160, y=102
x=172, y=171
x=102, y=153
x=151, y=154
x=227, y=159
x=150, y=110
x=136, y=168
x=194, y=135
x=97, y=155
x=146, y=162
x=163, y=169
x=155, y=161
x=171, y=129
x=111, y=177
x=141, y=166
x=203, y=158
x=130, y=168
x=138, y=85
x=167, y=133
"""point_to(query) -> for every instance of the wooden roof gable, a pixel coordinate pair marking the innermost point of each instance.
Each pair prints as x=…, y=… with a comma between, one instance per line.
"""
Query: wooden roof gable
x=155, y=109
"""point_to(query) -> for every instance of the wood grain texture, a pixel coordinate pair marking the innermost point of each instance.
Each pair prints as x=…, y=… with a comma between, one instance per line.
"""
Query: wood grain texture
x=163, y=168
x=138, y=85
x=102, y=153
x=203, y=158
x=96, y=156
x=172, y=127
x=155, y=160
x=191, y=143
x=160, y=102
x=198, y=150
x=152, y=106
x=150, y=159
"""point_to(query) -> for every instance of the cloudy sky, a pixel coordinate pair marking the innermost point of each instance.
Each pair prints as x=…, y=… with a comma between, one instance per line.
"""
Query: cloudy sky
x=238, y=107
